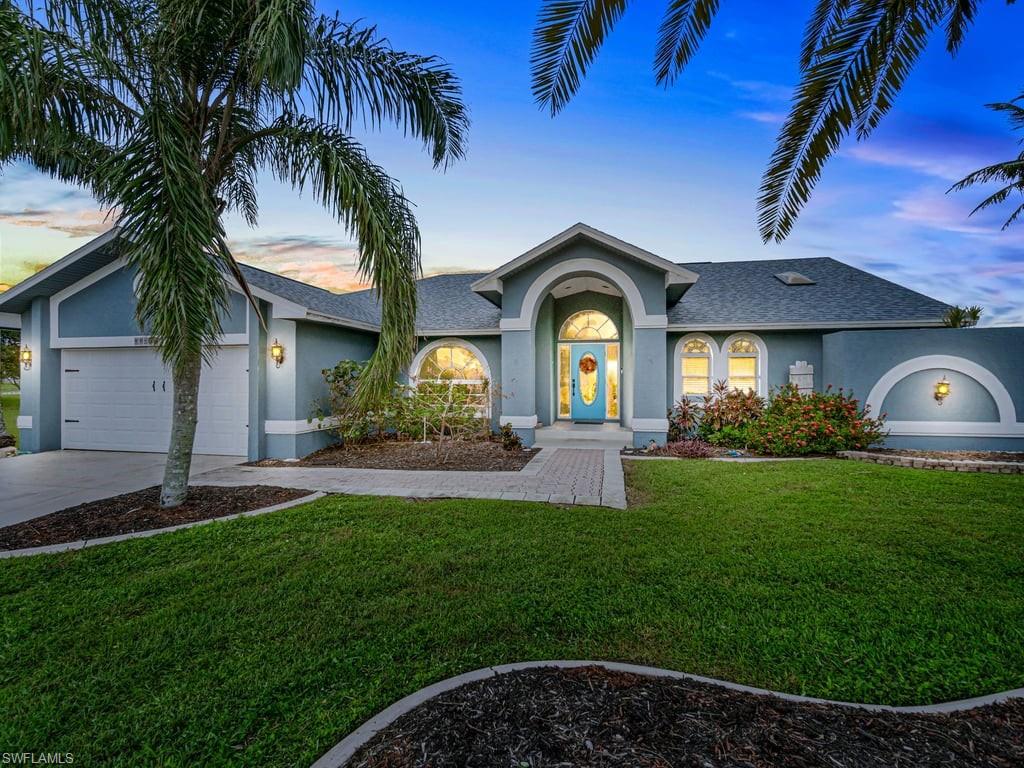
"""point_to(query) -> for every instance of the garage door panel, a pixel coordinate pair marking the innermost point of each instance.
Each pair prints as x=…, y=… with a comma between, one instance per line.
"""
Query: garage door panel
x=122, y=399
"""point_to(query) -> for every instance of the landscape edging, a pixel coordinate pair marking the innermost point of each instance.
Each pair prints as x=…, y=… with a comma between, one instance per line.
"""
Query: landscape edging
x=68, y=546
x=924, y=462
x=343, y=751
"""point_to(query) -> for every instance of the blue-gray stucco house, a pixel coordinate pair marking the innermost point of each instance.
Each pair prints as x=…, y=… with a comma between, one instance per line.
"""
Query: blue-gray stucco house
x=582, y=328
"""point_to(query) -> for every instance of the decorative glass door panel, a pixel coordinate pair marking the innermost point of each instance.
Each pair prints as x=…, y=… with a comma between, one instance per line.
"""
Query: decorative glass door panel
x=587, y=371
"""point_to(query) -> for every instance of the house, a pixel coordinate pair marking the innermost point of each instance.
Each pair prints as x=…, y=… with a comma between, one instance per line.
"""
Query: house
x=582, y=328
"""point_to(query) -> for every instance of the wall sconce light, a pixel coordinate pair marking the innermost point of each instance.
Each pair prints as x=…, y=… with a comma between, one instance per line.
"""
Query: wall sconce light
x=277, y=353
x=941, y=390
x=26, y=358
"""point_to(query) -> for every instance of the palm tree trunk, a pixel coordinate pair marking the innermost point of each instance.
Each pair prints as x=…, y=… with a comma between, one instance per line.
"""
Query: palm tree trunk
x=183, y=433
x=6, y=440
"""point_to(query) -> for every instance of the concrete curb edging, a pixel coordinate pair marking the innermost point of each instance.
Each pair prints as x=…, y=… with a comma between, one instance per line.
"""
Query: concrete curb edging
x=68, y=546
x=343, y=751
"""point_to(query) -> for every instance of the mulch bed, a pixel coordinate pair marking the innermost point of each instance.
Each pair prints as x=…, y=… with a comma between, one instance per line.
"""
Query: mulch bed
x=140, y=511
x=592, y=717
x=472, y=456
x=952, y=455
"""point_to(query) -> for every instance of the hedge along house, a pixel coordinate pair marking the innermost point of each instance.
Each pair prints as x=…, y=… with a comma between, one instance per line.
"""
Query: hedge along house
x=584, y=329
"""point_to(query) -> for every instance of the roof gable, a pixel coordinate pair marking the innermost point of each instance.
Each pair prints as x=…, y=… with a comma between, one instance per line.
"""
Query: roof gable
x=490, y=285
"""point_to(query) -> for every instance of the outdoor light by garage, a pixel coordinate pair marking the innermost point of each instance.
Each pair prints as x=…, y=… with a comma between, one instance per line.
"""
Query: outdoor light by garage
x=26, y=358
x=277, y=353
x=941, y=390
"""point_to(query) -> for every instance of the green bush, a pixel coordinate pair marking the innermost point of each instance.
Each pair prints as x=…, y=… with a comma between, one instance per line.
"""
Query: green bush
x=431, y=410
x=818, y=422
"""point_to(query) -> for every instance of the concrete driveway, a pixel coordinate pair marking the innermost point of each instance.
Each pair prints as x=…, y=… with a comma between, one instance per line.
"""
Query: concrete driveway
x=40, y=483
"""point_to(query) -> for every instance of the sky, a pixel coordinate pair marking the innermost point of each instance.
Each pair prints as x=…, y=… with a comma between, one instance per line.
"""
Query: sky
x=675, y=171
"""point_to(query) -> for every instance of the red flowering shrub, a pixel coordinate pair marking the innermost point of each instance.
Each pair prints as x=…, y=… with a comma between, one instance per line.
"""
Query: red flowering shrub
x=819, y=422
x=683, y=419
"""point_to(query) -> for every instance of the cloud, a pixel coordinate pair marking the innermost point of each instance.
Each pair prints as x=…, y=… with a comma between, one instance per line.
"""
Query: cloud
x=767, y=117
x=938, y=150
x=82, y=223
x=757, y=90
x=324, y=262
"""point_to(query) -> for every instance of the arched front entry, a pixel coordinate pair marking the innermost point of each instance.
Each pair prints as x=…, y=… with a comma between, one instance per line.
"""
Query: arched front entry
x=588, y=368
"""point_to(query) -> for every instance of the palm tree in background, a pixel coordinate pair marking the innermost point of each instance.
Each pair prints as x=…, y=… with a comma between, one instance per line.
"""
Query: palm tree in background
x=962, y=317
x=167, y=111
x=855, y=57
x=1008, y=174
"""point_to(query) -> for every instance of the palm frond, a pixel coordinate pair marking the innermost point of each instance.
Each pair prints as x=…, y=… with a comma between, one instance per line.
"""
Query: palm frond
x=354, y=74
x=567, y=37
x=684, y=26
x=278, y=40
x=961, y=16
x=851, y=80
x=370, y=205
x=827, y=16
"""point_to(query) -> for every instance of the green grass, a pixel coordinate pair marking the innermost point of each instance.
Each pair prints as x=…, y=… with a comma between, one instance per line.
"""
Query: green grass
x=265, y=640
x=10, y=403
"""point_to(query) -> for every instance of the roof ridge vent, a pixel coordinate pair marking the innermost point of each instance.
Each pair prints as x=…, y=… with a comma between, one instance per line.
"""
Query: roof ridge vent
x=794, y=278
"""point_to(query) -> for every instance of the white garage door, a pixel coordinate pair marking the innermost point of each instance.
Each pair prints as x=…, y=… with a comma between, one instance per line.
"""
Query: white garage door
x=121, y=400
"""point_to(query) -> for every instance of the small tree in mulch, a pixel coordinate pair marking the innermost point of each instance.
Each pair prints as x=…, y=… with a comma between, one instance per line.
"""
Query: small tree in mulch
x=436, y=411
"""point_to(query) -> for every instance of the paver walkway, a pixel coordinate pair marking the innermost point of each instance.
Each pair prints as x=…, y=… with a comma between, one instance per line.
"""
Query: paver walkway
x=557, y=475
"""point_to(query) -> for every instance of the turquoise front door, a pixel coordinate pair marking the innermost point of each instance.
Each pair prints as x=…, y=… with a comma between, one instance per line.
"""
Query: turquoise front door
x=587, y=371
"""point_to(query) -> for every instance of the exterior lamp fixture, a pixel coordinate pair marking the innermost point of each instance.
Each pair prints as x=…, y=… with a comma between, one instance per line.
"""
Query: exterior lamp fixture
x=26, y=358
x=277, y=353
x=941, y=390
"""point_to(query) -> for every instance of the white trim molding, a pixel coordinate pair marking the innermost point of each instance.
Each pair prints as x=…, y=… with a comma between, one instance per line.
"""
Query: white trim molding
x=543, y=283
x=674, y=274
x=298, y=426
x=677, y=362
x=23, y=422
x=1007, y=426
x=519, y=422
x=649, y=425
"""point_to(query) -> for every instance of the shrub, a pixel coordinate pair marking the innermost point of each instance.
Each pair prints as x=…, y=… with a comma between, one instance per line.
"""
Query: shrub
x=683, y=419
x=690, y=448
x=725, y=414
x=438, y=411
x=510, y=441
x=818, y=422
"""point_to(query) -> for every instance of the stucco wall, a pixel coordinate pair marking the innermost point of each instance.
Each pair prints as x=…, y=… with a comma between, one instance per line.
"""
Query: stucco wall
x=784, y=348
x=40, y=384
x=107, y=308
x=968, y=418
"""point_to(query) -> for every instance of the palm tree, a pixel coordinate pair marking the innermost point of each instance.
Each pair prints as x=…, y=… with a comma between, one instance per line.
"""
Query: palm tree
x=854, y=59
x=962, y=317
x=167, y=110
x=1010, y=173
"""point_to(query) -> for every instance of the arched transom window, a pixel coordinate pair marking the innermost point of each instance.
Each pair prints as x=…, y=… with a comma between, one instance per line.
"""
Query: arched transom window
x=744, y=365
x=454, y=364
x=588, y=325
x=451, y=363
x=696, y=367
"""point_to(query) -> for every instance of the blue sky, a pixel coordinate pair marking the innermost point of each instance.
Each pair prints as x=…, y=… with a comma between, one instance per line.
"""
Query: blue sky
x=675, y=171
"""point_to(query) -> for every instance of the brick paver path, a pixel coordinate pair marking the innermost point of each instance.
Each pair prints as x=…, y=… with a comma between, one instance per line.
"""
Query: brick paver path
x=557, y=475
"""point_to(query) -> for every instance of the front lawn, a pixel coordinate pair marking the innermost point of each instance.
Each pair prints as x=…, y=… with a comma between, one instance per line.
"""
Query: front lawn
x=10, y=400
x=263, y=641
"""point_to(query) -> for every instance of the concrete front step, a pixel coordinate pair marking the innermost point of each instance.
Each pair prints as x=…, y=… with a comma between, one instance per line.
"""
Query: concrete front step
x=568, y=435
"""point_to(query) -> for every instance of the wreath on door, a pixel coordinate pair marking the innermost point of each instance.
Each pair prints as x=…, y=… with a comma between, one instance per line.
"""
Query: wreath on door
x=588, y=364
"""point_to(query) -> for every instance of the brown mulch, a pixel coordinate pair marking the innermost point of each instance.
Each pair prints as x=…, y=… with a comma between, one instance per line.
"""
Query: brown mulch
x=140, y=511
x=592, y=717
x=472, y=456
x=952, y=455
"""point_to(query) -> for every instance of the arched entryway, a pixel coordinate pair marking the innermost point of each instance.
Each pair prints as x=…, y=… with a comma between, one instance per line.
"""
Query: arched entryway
x=588, y=368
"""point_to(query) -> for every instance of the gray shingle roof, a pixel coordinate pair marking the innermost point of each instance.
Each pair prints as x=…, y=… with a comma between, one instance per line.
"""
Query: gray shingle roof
x=445, y=303
x=739, y=293
x=316, y=299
